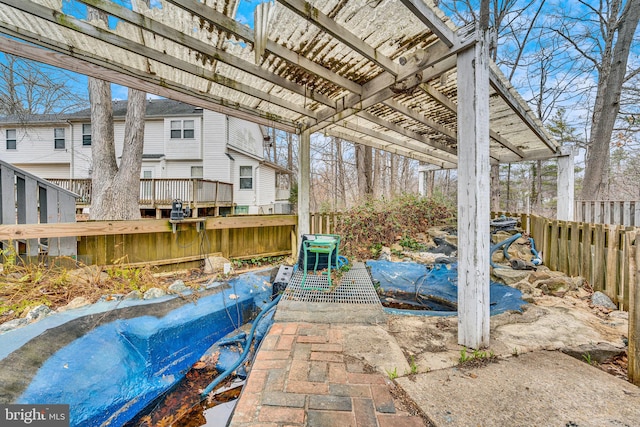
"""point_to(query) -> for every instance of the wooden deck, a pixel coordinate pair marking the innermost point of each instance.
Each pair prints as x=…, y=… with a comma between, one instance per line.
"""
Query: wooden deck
x=158, y=194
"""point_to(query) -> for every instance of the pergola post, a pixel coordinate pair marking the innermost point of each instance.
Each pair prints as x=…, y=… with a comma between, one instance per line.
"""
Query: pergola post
x=566, y=189
x=304, y=177
x=473, y=194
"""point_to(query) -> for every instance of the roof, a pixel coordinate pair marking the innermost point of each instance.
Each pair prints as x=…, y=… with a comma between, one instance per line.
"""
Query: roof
x=381, y=73
x=155, y=108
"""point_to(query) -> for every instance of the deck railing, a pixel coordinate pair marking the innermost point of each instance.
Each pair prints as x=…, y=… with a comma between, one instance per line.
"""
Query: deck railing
x=161, y=192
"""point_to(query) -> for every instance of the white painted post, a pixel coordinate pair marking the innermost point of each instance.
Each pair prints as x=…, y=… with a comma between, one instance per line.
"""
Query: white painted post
x=566, y=189
x=473, y=195
x=304, y=177
x=422, y=181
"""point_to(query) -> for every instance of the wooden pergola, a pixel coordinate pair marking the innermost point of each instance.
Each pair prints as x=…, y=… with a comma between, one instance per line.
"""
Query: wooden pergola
x=393, y=75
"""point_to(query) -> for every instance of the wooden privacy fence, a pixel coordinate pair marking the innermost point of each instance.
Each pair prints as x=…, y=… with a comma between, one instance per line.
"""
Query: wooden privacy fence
x=603, y=254
x=154, y=242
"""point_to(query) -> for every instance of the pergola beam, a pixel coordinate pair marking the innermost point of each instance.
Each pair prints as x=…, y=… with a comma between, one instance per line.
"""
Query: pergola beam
x=349, y=136
x=444, y=100
x=84, y=63
x=231, y=26
x=428, y=17
x=515, y=106
x=329, y=26
x=413, y=146
x=116, y=40
x=190, y=42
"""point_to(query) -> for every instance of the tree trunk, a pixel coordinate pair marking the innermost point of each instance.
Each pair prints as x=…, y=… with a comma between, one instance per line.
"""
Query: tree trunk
x=495, y=188
x=607, y=105
x=342, y=201
x=364, y=166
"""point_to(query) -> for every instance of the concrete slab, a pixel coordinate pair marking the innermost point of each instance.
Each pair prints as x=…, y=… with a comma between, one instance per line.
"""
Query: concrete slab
x=535, y=389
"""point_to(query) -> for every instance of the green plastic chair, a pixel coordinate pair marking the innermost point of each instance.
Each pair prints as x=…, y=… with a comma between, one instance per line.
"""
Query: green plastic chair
x=327, y=244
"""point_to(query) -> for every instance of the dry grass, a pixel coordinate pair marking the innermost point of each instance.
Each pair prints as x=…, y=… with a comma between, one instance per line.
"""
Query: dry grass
x=27, y=285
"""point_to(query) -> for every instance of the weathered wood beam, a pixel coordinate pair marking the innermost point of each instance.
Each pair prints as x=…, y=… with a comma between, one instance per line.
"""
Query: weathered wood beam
x=304, y=183
x=444, y=100
x=420, y=118
x=192, y=43
x=410, y=145
x=329, y=26
x=116, y=40
x=390, y=148
x=566, y=185
x=408, y=133
x=429, y=18
x=109, y=228
x=518, y=109
x=243, y=32
x=88, y=64
x=473, y=196
x=378, y=90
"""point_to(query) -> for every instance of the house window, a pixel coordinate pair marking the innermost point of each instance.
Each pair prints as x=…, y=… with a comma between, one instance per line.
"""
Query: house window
x=239, y=210
x=197, y=172
x=58, y=139
x=147, y=174
x=11, y=139
x=246, y=177
x=182, y=129
x=86, y=134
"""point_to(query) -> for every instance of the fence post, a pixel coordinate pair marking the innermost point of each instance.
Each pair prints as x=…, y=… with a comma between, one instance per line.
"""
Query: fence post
x=634, y=323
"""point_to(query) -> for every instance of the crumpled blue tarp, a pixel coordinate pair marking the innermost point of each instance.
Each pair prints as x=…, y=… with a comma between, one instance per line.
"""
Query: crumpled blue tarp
x=111, y=373
x=440, y=281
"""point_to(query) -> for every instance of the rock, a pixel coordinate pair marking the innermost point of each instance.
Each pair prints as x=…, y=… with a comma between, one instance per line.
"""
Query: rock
x=38, y=313
x=396, y=248
x=538, y=275
x=111, y=297
x=437, y=233
x=154, y=293
x=452, y=239
x=556, y=286
x=595, y=352
x=619, y=314
x=601, y=300
x=509, y=276
x=523, y=287
x=77, y=302
x=90, y=275
x=443, y=247
x=12, y=324
x=445, y=260
x=215, y=264
x=178, y=287
x=133, y=295
x=385, y=254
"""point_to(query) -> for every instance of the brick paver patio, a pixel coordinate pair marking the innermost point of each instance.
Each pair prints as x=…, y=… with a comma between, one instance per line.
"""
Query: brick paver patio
x=301, y=377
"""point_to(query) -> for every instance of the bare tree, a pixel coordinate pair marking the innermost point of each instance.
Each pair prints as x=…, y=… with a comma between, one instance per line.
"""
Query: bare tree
x=115, y=189
x=28, y=87
x=617, y=23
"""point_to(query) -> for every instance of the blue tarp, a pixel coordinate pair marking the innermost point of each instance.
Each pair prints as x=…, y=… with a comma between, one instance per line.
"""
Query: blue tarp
x=440, y=282
x=111, y=373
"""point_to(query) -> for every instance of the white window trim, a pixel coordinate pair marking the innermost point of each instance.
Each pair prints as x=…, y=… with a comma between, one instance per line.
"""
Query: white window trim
x=14, y=139
x=241, y=177
x=63, y=139
x=182, y=129
x=90, y=134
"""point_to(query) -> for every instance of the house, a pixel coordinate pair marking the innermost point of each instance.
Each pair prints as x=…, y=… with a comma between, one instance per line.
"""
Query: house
x=181, y=142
